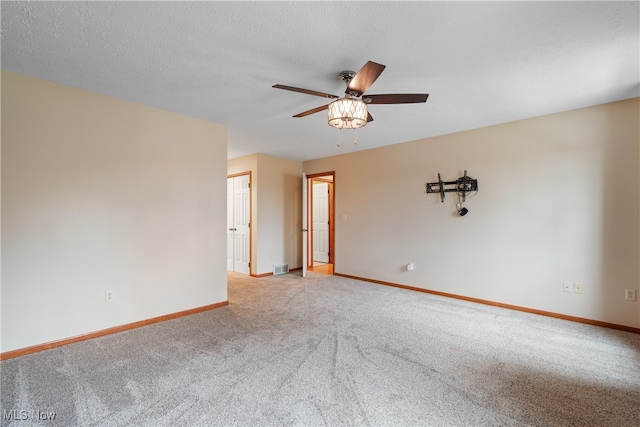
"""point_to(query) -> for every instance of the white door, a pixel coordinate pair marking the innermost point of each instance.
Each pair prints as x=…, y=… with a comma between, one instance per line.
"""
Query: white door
x=238, y=222
x=320, y=221
x=304, y=225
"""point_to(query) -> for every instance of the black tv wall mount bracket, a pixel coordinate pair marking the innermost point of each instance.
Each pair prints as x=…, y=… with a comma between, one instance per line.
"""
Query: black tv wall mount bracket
x=463, y=186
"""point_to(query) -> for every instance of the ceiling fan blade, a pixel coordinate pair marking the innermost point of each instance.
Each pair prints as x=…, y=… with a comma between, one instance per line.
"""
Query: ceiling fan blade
x=396, y=98
x=364, y=78
x=369, y=117
x=315, y=110
x=307, y=91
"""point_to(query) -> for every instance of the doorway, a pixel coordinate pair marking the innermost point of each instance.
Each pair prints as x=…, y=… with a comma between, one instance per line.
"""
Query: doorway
x=320, y=222
x=239, y=222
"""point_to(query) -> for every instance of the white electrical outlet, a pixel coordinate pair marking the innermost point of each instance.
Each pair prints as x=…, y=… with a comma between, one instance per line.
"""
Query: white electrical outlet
x=567, y=286
x=630, y=294
x=108, y=296
x=577, y=289
x=410, y=266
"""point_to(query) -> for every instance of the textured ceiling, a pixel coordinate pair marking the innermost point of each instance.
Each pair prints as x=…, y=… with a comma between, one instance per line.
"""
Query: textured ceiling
x=482, y=63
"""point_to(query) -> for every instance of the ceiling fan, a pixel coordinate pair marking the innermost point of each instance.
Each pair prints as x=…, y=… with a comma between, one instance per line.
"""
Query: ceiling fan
x=350, y=111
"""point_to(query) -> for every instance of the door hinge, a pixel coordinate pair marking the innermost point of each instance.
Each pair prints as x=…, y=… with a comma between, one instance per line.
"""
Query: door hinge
x=248, y=185
x=249, y=265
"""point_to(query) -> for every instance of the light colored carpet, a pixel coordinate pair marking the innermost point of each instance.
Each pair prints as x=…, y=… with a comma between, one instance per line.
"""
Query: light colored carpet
x=326, y=350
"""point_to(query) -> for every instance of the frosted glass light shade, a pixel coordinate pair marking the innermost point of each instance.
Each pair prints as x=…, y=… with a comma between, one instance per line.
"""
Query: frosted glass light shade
x=347, y=113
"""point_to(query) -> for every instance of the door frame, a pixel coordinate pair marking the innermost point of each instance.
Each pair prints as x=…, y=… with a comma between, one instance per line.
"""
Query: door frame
x=233, y=175
x=332, y=217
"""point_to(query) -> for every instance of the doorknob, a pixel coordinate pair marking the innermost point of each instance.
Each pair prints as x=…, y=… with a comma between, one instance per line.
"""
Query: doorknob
x=233, y=229
x=304, y=230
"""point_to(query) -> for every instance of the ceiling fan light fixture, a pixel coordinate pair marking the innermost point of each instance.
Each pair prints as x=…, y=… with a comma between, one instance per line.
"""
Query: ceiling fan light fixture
x=347, y=113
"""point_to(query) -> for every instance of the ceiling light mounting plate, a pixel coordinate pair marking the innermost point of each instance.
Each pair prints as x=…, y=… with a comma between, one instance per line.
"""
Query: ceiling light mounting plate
x=347, y=76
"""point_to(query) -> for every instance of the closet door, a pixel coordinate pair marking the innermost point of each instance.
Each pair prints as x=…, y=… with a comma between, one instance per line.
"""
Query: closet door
x=238, y=223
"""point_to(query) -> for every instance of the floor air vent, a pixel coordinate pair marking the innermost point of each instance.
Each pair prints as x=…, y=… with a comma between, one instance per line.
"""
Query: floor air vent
x=281, y=269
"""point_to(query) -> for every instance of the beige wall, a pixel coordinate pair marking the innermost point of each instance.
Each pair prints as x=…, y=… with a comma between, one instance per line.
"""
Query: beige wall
x=279, y=212
x=276, y=197
x=101, y=194
x=558, y=201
